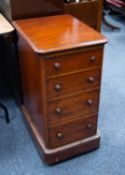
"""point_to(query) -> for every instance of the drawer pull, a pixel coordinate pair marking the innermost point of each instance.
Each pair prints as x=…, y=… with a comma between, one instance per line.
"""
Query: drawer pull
x=58, y=111
x=90, y=102
x=91, y=79
x=57, y=66
x=89, y=126
x=59, y=136
x=92, y=59
x=57, y=87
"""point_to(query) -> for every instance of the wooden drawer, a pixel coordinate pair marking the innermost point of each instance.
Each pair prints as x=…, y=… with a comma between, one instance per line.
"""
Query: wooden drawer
x=73, y=62
x=73, y=131
x=65, y=109
x=66, y=85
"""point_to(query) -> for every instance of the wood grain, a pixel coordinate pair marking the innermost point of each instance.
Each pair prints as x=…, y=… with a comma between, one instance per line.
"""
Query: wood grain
x=72, y=107
x=73, y=83
x=80, y=61
x=59, y=33
x=73, y=131
x=32, y=86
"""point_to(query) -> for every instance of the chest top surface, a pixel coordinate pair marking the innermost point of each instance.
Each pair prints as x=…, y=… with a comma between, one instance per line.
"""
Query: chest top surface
x=57, y=33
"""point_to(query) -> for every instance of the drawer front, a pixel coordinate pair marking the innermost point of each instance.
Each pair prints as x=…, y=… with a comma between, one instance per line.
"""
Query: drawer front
x=73, y=131
x=73, y=62
x=66, y=109
x=70, y=84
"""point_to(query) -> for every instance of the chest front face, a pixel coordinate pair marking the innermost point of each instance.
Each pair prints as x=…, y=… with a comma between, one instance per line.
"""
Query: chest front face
x=72, y=95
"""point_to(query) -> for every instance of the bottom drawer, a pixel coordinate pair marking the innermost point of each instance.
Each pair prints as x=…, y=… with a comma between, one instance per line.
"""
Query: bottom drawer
x=73, y=131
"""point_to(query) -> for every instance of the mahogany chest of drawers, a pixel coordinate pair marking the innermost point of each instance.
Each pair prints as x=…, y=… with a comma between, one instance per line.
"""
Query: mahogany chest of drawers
x=61, y=63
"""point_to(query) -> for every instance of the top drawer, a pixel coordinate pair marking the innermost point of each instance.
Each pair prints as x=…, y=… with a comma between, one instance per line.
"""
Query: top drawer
x=73, y=62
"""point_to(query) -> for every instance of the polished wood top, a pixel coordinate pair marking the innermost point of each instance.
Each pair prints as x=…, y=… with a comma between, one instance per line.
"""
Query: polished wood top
x=55, y=33
x=5, y=26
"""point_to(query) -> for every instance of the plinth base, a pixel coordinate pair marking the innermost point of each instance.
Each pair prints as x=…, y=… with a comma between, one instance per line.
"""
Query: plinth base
x=61, y=153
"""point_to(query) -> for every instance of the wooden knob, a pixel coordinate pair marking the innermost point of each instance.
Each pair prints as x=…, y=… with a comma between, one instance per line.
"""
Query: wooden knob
x=57, y=87
x=92, y=59
x=91, y=79
x=90, y=102
x=59, y=136
x=58, y=111
x=89, y=126
x=57, y=66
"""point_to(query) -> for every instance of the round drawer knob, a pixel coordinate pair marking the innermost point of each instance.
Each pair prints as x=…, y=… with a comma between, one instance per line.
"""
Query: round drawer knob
x=91, y=79
x=92, y=59
x=57, y=66
x=89, y=126
x=58, y=111
x=90, y=102
x=57, y=87
x=59, y=136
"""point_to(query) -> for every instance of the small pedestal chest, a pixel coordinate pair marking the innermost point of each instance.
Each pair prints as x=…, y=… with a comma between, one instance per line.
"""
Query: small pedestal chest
x=61, y=63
